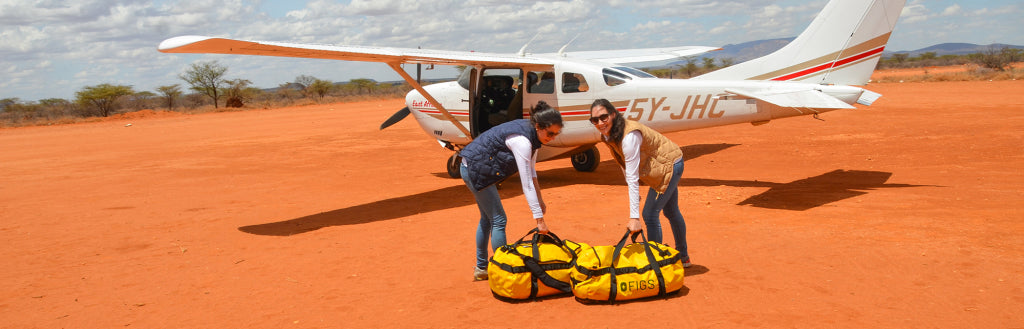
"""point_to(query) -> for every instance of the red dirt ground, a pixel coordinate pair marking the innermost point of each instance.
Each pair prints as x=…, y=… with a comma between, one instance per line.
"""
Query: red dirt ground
x=903, y=214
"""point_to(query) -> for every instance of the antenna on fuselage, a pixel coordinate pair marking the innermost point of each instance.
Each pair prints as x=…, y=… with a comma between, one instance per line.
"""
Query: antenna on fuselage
x=561, y=51
x=522, y=51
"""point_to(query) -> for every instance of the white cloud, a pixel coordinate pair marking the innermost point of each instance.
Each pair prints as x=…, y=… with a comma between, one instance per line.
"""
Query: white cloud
x=723, y=28
x=914, y=13
x=951, y=10
x=772, y=11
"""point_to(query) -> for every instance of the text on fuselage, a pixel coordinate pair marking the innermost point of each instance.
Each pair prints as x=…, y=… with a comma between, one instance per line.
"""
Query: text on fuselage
x=695, y=106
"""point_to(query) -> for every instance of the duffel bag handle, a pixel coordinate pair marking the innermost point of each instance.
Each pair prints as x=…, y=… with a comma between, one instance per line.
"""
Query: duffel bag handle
x=651, y=260
x=536, y=236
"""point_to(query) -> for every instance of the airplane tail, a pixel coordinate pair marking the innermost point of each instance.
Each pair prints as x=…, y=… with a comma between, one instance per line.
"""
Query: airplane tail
x=841, y=47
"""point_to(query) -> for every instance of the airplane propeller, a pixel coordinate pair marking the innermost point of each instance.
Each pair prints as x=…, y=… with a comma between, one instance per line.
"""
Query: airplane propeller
x=395, y=118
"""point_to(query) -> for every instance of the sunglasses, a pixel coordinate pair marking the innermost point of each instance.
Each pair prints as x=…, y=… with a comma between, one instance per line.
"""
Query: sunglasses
x=600, y=118
x=551, y=134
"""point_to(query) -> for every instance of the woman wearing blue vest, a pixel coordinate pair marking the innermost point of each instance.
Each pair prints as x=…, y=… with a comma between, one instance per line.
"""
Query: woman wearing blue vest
x=495, y=155
x=649, y=157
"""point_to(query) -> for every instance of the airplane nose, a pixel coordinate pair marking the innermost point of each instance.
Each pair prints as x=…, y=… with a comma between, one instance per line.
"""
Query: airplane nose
x=395, y=118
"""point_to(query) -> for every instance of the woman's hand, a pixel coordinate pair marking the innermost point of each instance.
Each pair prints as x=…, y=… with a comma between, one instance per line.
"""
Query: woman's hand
x=634, y=225
x=541, y=226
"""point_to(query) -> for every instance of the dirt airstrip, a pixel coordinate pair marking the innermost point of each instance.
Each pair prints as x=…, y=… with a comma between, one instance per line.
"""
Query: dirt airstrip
x=907, y=213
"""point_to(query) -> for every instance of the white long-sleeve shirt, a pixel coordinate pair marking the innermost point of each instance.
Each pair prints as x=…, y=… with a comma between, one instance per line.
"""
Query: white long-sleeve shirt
x=526, y=161
x=631, y=156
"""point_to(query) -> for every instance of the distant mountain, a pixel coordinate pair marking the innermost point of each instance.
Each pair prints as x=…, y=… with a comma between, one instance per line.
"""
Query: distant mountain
x=749, y=50
x=954, y=49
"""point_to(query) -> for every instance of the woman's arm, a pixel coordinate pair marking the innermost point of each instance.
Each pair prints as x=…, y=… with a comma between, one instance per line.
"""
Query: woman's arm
x=522, y=149
x=631, y=156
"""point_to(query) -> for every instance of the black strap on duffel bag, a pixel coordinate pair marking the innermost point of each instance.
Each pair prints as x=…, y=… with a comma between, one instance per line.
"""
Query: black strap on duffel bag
x=532, y=265
x=650, y=258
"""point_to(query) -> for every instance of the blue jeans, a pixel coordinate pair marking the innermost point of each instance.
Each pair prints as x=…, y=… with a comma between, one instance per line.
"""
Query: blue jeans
x=667, y=203
x=492, y=219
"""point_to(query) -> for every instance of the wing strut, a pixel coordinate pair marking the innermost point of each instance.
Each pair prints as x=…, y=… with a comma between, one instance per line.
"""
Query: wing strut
x=412, y=82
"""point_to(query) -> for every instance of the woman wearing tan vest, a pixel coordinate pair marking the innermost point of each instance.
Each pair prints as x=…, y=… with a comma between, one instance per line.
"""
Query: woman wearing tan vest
x=649, y=157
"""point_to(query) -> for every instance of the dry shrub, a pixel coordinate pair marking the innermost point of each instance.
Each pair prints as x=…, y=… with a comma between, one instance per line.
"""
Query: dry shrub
x=968, y=73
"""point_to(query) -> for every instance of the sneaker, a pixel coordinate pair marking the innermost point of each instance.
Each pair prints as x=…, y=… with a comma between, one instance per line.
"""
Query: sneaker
x=479, y=274
x=687, y=264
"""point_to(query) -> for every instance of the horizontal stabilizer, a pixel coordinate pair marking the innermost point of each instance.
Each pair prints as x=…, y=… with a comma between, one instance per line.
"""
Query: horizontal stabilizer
x=868, y=97
x=812, y=99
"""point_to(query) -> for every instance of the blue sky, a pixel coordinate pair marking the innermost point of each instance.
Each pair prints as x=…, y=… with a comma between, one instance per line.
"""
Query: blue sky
x=53, y=48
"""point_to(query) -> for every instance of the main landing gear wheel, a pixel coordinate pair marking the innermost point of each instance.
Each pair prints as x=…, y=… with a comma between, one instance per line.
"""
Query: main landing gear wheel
x=586, y=161
x=453, y=166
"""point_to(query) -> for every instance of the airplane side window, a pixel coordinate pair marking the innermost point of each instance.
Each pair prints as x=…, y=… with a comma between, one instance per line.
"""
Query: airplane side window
x=545, y=84
x=614, y=78
x=573, y=83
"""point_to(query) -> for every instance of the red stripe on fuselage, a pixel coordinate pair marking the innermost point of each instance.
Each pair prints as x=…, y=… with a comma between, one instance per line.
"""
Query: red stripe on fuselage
x=826, y=66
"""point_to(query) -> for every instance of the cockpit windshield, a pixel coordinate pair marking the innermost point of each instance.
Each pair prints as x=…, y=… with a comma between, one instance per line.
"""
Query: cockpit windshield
x=635, y=72
x=614, y=76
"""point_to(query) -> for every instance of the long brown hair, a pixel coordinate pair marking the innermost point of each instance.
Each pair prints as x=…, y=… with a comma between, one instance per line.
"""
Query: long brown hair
x=618, y=122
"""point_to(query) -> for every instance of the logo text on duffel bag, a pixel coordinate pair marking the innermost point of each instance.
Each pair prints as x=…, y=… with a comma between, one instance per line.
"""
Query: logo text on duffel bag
x=638, y=285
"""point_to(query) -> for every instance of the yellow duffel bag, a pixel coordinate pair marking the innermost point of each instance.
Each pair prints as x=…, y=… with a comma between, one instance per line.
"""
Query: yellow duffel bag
x=532, y=268
x=625, y=272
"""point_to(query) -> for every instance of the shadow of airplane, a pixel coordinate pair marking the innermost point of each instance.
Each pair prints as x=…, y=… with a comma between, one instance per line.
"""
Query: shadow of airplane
x=798, y=195
x=809, y=192
x=819, y=190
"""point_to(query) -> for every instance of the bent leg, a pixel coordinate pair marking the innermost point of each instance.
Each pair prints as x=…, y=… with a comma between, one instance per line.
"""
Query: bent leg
x=650, y=211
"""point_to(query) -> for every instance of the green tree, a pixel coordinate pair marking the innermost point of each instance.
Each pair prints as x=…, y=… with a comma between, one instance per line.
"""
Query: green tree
x=709, y=63
x=237, y=92
x=320, y=88
x=363, y=85
x=141, y=100
x=900, y=58
x=287, y=91
x=54, y=102
x=691, y=67
x=206, y=78
x=7, y=102
x=103, y=96
x=170, y=93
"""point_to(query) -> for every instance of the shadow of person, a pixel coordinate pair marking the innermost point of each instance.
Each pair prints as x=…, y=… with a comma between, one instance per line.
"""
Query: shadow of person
x=695, y=269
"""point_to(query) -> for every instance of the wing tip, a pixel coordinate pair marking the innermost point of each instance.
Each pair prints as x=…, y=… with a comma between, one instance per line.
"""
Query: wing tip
x=169, y=45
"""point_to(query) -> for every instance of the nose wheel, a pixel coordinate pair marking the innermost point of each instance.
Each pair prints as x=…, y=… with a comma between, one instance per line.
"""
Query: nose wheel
x=453, y=166
x=586, y=161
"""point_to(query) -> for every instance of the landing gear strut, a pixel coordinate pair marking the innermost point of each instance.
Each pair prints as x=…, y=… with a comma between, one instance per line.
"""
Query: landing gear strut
x=453, y=166
x=586, y=161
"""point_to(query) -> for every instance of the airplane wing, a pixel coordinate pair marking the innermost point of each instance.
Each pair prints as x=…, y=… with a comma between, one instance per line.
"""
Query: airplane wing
x=813, y=99
x=212, y=45
x=627, y=56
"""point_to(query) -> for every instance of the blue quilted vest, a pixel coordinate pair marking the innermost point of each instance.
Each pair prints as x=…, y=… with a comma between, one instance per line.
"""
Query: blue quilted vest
x=488, y=159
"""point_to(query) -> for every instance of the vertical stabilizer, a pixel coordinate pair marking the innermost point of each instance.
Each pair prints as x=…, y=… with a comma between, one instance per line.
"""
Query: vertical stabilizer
x=841, y=46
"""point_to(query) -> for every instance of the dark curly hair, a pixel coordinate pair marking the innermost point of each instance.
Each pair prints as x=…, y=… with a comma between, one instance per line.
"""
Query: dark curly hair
x=618, y=122
x=544, y=116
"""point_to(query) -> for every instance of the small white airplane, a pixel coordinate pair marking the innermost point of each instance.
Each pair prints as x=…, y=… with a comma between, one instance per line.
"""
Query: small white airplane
x=819, y=71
